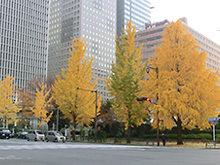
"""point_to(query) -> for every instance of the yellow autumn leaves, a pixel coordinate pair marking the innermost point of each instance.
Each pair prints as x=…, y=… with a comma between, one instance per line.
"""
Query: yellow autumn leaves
x=187, y=92
x=8, y=109
x=73, y=88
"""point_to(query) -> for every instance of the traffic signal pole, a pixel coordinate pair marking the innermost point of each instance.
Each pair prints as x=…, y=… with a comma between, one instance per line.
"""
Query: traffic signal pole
x=158, y=120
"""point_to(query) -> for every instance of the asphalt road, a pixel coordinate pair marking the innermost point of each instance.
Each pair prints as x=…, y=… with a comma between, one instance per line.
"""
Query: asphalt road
x=22, y=152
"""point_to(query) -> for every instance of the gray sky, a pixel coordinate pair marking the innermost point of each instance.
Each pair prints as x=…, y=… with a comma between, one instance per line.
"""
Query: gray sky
x=202, y=15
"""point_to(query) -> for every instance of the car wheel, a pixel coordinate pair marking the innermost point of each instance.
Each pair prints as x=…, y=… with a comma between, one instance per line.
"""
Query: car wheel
x=35, y=139
x=47, y=140
x=28, y=139
x=56, y=140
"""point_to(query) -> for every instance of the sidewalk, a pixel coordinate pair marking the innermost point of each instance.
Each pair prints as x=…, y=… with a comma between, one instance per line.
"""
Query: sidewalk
x=186, y=144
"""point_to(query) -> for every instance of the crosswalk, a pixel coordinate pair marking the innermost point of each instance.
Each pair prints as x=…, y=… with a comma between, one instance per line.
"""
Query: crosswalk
x=24, y=145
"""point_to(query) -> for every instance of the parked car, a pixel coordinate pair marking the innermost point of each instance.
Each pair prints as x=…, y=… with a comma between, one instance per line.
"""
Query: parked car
x=55, y=136
x=5, y=133
x=35, y=135
x=22, y=135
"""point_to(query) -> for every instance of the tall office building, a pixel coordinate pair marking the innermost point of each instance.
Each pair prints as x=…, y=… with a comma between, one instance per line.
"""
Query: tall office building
x=23, y=42
x=94, y=20
x=152, y=36
x=138, y=11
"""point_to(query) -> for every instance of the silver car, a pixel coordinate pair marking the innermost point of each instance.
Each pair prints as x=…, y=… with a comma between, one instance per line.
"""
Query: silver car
x=55, y=136
x=35, y=135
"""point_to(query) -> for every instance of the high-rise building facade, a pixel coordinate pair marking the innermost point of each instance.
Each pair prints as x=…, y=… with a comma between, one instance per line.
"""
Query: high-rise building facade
x=138, y=11
x=94, y=20
x=23, y=42
x=152, y=36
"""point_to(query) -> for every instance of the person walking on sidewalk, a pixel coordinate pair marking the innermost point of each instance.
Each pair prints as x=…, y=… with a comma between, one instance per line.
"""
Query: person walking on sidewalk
x=163, y=139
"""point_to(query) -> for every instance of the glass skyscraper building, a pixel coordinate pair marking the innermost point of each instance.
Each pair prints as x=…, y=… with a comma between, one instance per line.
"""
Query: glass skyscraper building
x=138, y=11
x=94, y=20
x=23, y=42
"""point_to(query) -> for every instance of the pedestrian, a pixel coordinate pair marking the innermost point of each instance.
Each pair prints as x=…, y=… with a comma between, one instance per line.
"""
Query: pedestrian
x=163, y=139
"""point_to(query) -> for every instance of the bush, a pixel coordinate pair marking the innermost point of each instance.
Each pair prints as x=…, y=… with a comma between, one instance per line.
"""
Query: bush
x=217, y=136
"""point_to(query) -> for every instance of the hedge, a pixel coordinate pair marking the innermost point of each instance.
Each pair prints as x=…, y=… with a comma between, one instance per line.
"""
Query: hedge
x=201, y=136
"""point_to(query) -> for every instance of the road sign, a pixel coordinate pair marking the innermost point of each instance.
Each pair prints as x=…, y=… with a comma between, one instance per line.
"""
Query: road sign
x=213, y=122
x=213, y=118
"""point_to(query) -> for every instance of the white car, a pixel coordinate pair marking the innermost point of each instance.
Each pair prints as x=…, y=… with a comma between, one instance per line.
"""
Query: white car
x=55, y=136
x=35, y=135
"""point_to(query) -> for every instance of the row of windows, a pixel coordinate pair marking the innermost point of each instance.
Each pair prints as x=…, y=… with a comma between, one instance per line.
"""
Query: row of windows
x=66, y=56
x=33, y=37
x=23, y=66
x=208, y=47
x=57, y=25
x=109, y=15
x=204, y=39
x=17, y=60
x=14, y=24
x=102, y=2
x=57, y=64
x=95, y=27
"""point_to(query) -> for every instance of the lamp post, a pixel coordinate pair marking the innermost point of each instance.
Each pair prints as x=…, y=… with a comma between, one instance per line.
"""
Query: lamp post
x=148, y=68
x=57, y=119
x=96, y=107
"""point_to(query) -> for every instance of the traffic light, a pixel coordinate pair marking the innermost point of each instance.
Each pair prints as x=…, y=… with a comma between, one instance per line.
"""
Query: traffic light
x=143, y=99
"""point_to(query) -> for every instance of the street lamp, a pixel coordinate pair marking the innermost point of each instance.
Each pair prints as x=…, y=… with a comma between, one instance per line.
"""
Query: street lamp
x=57, y=119
x=148, y=68
x=96, y=107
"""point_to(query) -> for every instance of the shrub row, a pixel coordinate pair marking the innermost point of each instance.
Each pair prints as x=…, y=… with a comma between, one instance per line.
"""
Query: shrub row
x=201, y=136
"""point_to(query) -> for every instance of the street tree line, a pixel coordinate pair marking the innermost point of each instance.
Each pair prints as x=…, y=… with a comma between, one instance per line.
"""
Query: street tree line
x=186, y=92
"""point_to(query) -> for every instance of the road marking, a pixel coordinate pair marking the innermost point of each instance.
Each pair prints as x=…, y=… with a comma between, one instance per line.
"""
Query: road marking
x=40, y=146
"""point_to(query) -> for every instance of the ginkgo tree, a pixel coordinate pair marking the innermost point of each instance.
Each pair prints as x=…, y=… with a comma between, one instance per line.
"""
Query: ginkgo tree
x=8, y=109
x=73, y=89
x=40, y=106
x=26, y=101
x=186, y=92
x=124, y=82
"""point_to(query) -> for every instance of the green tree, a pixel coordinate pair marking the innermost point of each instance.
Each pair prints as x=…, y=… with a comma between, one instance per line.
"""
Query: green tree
x=8, y=109
x=124, y=82
x=40, y=107
x=72, y=90
x=187, y=92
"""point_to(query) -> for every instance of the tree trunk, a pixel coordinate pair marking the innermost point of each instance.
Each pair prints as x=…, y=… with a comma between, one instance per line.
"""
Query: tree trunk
x=74, y=128
x=129, y=129
x=179, y=132
x=5, y=123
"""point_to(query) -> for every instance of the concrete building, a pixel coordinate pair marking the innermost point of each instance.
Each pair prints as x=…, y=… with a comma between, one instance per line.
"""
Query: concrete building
x=138, y=11
x=23, y=43
x=152, y=36
x=94, y=20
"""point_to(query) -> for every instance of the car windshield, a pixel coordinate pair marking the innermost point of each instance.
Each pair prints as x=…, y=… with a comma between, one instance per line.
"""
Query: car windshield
x=6, y=131
x=58, y=133
x=39, y=132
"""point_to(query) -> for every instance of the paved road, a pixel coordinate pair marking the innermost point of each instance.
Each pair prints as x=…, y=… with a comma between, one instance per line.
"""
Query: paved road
x=22, y=152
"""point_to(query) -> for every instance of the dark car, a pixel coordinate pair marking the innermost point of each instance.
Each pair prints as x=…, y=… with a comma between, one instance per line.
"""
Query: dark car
x=22, y=135
x=5, y=134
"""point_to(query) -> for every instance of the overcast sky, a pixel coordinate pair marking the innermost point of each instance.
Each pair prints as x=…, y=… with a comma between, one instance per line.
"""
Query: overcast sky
x=202, y=15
